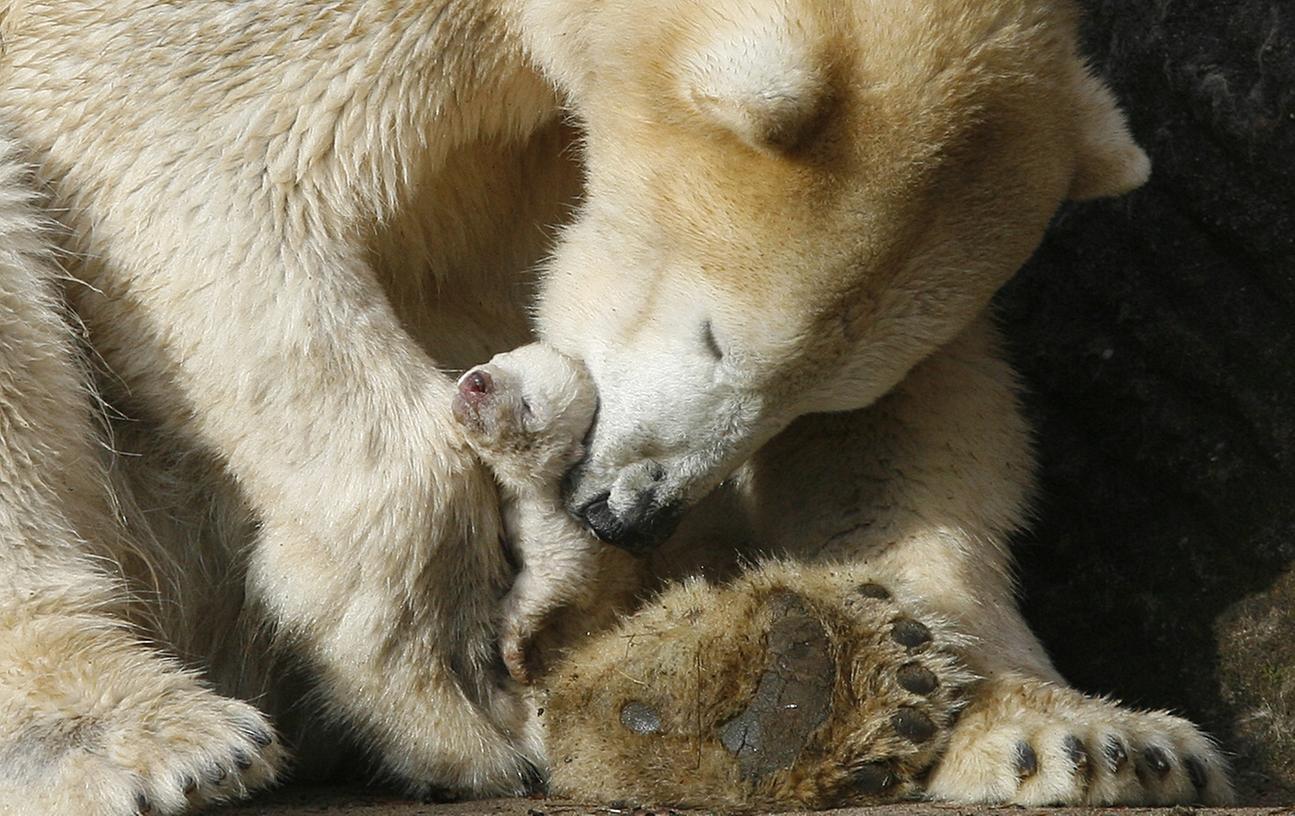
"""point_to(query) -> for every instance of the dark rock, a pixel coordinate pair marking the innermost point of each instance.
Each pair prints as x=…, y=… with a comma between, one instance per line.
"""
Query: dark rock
x=1156, y=336
x=1256, y=656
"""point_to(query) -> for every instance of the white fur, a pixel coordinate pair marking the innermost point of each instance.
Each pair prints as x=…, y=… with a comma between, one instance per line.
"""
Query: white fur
x=227, y=175
x=285, y=218
x=532, y=426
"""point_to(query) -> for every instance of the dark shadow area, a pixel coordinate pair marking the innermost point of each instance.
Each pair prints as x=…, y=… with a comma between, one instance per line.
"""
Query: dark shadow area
x=1156, y=338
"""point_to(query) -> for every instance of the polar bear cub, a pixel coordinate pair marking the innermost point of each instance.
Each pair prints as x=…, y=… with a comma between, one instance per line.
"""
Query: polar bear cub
x=525, y=414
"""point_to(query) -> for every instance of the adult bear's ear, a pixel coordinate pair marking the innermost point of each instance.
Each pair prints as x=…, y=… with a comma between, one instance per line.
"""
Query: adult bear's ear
x=762, y=81
x=1108, y=161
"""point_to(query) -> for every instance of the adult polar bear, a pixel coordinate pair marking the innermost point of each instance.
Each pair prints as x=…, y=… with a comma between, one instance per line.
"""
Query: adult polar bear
x=287, y=215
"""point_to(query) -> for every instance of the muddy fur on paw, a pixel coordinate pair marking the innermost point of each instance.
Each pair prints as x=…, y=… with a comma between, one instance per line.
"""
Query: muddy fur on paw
x=618, y=584
x=792, y=687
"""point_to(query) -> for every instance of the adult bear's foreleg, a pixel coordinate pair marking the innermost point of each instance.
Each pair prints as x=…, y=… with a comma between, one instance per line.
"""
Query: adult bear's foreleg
x=926, y=486
x=92, y=720
x=893, y=521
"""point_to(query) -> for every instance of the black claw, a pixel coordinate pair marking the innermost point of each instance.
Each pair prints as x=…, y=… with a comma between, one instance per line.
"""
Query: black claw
x=912, y=724
x=216, y=774
x=918, y=679
x=188, y=784
x=533, y=781
x=1078, y=753
x=876, y=591
x=910, y=633
x=142, y=805
x=1196, y=771
x=872, y=778
x=258, y=734
x=1156, y=759
x=1027, y=762
x=242, y=760
x=1115, y=753
x=434, y=795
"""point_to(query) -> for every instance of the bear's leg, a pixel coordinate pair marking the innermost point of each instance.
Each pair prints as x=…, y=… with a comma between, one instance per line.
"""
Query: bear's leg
x=913, y=500
x=379, y=557
x=926, y=486
x=377, y=560
x=91, y=721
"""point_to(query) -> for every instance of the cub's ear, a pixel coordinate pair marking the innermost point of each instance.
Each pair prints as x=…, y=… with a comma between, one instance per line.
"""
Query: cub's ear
x=761, y=81
x=1108, y=161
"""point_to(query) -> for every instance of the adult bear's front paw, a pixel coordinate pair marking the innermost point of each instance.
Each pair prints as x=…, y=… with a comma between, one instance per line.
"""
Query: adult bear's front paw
x=124, y=734
x=801, y=687
x=1029, y=742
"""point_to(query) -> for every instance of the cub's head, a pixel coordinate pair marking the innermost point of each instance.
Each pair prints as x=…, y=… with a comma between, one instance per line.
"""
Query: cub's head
x=789, y=204
x=526, y=414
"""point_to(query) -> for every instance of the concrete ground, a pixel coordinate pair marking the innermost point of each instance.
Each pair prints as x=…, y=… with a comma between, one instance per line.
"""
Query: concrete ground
x=346, y=802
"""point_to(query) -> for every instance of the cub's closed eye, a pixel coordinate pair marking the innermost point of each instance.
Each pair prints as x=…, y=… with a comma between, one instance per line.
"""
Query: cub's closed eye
x=526, y=407
x=708, y=338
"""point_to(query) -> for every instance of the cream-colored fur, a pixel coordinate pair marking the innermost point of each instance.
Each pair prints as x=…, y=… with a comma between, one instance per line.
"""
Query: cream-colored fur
x=808, y=207
x=286, y=218
x=89, y=712
x=526, y=414
x=235, y=183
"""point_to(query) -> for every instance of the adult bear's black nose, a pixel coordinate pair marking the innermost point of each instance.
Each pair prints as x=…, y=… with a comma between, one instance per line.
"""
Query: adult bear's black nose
x=600, y=518
x=639, y=528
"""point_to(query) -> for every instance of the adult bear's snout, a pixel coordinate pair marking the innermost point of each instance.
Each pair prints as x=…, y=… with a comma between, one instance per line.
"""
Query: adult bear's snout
x=635, y=514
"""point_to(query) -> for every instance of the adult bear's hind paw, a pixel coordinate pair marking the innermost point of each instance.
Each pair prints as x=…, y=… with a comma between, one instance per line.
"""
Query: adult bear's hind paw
x=795, y=686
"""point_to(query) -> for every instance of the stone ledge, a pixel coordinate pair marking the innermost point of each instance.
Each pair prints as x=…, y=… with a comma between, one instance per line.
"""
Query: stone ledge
x=353, y=802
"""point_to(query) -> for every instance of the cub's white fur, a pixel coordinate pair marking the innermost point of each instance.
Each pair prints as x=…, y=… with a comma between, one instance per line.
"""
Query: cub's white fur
x=526, y=414
x=286, y=217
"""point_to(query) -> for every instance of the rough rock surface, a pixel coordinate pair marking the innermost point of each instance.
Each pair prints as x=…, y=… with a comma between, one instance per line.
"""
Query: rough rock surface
x=1156, y=336
x=344, y=802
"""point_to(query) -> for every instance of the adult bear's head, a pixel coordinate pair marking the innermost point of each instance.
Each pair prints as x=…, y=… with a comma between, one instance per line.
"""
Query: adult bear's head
x=790, y=203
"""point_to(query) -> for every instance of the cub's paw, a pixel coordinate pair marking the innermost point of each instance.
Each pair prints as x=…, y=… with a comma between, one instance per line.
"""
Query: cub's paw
x=1029, y=742
x=790, y=688
x=520, y=643
x=167, y=748
x=519, y=655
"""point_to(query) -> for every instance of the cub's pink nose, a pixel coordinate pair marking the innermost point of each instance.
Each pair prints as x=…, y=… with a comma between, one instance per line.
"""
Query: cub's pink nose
x=475, y=385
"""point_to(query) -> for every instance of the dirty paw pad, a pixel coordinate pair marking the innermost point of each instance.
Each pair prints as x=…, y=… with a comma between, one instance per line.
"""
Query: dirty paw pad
x=793, y=697
x=788, y=688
